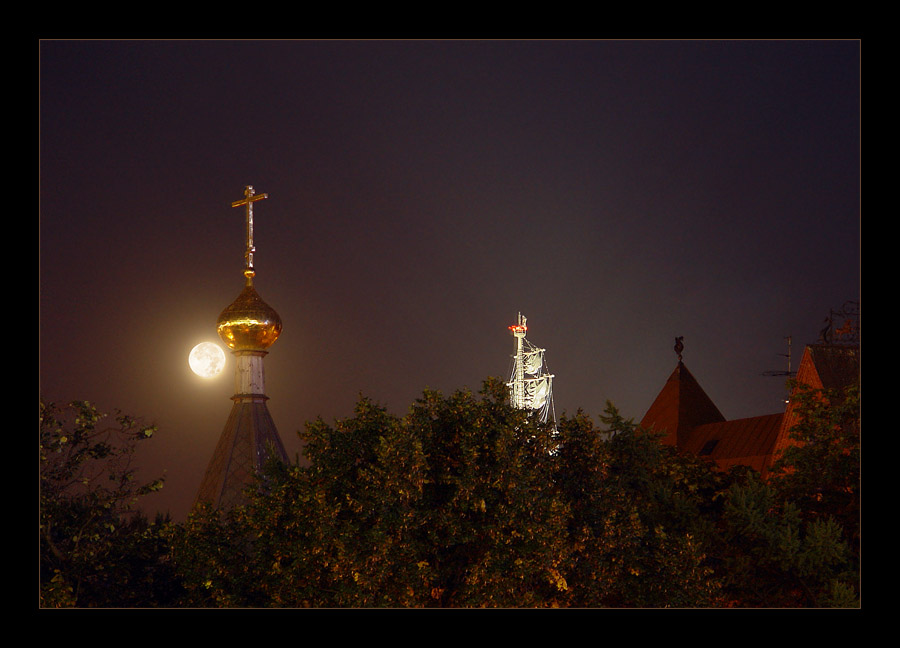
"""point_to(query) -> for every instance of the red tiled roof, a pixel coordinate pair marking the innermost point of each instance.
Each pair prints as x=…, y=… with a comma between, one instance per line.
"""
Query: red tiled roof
x=747, y=441
x=680, y=406
x=834, y=366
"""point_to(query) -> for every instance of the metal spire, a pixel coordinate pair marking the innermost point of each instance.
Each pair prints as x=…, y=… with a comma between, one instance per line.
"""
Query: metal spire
x=250, y=197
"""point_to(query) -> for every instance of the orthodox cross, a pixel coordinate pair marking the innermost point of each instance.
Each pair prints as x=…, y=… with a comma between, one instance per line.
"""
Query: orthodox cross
x=250, y=197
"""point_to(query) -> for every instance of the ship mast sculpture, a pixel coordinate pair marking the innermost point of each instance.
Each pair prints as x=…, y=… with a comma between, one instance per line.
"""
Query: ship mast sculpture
x=530, y=383
x=248, y=327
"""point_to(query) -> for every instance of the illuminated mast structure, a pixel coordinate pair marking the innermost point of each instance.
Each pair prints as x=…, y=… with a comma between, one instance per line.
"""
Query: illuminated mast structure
x=530, y=384
x=248, y=327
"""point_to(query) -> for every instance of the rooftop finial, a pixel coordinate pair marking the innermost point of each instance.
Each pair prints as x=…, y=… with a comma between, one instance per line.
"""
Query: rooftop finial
x=250, y=197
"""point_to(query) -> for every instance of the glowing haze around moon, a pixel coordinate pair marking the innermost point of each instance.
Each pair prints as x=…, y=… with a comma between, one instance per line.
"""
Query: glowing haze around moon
x=207, y=360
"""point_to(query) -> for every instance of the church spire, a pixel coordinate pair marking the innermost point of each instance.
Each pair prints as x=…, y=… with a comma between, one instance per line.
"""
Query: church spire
x=681, y=405
x=248, y=326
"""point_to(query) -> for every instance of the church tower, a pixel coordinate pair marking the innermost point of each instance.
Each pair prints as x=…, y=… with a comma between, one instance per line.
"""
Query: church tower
x=248, y=327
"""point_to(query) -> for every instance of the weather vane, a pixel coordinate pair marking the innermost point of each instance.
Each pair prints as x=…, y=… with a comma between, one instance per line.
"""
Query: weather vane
x=679, y=346
x=848, y=334
x=250, y=197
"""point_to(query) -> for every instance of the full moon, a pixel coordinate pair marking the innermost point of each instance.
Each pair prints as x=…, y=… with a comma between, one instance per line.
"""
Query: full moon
x=207, y=360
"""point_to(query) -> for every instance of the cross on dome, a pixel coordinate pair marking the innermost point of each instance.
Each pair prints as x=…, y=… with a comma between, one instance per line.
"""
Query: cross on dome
x=250, y=197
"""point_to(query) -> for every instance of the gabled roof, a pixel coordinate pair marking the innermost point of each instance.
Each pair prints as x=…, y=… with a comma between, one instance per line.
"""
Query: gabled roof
x=829, y=366
x=680, y=406
x=823, y=366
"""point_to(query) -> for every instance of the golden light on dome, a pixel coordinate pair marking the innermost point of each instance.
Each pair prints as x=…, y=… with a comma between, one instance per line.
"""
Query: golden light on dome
x=249, y=323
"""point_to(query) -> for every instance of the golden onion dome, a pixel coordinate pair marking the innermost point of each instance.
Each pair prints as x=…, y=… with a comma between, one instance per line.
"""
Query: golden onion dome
x=249, y=323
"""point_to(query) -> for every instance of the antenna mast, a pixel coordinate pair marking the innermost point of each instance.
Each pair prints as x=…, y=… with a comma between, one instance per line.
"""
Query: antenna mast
x=517, y=382
x=788, y=373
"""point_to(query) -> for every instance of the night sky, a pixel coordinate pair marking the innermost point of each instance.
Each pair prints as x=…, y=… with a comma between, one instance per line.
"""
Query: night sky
x=421, y=195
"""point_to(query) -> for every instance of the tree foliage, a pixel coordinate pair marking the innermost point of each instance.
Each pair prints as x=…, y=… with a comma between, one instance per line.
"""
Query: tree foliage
x=820, y=470
x=772, y=558
x=95, y=547
x=794, y=539
x=639, y=520
x=465, y=501
x=451, y=505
